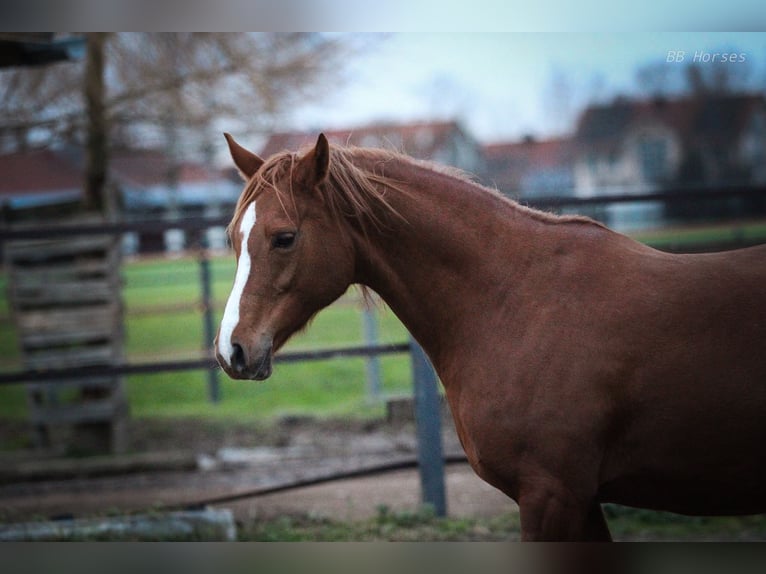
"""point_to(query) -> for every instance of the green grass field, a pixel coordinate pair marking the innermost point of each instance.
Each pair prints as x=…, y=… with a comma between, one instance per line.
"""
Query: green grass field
x=625, y=524
x=164, y=322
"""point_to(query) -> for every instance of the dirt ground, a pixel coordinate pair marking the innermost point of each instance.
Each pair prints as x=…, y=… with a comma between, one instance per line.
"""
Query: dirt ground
x=228, y=459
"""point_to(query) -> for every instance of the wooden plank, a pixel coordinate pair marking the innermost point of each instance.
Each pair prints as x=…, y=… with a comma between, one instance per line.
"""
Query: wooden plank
x=95, y=355
x=86, y=335
x=57, y=327
x=21, y=470
x=65, y=320
x=55, y=272
x=113, y=383
x=64, y=293
x=40, y=250
x=102, y=410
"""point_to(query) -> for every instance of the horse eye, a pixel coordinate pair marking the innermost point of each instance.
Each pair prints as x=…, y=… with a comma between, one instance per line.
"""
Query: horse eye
x=283, y=240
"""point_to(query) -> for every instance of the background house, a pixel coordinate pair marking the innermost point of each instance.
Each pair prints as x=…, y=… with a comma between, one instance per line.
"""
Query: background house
x=153, y=185
x=696, y=142
x=630, y=145
x=37, y=182
x=531, y=168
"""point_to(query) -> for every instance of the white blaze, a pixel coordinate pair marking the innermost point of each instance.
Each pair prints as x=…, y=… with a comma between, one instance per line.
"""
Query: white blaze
x=231, y=312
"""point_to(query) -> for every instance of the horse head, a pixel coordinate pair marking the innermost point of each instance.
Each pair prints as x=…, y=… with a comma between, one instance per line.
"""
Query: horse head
x=292, y=258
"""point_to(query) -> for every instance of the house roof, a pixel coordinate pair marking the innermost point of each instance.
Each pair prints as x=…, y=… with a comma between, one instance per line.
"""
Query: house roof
x=153, y=167
x=419, y=139
x=542, y=153
x=37, y=171
x=711, y=119
x=44, y=177
x=145, y=177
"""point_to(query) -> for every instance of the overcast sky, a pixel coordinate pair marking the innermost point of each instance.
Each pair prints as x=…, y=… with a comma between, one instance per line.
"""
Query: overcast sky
x=505, y=85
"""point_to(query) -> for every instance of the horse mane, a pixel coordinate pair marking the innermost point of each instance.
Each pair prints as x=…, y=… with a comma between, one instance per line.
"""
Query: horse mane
x=357, y=186
x=350, y=189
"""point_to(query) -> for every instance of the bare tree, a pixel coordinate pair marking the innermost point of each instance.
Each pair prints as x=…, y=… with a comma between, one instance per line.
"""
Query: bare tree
x=655, y=79
x=718, y=77
x=33, y=99
x=97, y=149
x=249, y=78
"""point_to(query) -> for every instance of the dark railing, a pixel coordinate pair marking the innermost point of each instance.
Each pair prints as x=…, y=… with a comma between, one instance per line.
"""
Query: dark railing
x=53, y=375
x=666, y=195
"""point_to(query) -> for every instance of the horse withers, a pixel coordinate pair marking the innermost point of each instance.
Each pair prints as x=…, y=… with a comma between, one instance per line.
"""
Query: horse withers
x=580, y=366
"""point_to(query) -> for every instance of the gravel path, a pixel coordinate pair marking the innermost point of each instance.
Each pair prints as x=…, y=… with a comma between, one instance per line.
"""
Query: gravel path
x=242, y=460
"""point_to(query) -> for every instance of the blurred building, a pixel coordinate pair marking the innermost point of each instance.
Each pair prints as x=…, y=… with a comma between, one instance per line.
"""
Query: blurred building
x=531, y=168
x=627, y=146
x=36, y=181
x=46, y=184
x=639, y=146
x=642, y=145
x=152, y=185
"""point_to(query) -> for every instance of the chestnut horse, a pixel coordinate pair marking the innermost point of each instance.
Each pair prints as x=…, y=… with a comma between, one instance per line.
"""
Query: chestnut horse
x=580, y=366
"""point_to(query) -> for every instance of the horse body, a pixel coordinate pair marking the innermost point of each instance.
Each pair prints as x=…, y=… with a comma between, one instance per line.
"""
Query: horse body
x=580, y=366
x=577, y=351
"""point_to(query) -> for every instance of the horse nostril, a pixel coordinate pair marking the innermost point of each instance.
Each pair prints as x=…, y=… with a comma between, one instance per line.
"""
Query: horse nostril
x=238, y=358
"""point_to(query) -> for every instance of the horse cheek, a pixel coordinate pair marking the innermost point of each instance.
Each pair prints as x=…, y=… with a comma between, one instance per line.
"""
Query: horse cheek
x=331, y=273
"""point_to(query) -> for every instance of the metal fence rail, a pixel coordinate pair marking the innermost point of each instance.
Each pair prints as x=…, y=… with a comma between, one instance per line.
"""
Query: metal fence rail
x=197, y=223
x=666, y=195
x=52, y=375
x=111, y=228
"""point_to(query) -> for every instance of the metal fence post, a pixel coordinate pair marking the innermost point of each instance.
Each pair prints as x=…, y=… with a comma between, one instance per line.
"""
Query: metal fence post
x=372, y=362
x=428, y=423
x=214, y=391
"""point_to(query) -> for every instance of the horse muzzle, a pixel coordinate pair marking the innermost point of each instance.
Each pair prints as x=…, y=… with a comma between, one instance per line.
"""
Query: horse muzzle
x=248, y=364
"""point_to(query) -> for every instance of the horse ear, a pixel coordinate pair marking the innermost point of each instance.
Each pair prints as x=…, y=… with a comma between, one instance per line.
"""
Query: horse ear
x=321, y=158
x=315, y=165
x=246, y=161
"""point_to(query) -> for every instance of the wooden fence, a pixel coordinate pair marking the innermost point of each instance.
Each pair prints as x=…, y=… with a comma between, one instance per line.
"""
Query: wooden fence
x=67, y=311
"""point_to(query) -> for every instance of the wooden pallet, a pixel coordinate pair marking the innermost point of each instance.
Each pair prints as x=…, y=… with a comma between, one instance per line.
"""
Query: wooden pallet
x=66, y=304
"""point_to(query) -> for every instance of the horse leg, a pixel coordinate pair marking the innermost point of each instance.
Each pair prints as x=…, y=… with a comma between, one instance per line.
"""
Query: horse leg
x=553, y=513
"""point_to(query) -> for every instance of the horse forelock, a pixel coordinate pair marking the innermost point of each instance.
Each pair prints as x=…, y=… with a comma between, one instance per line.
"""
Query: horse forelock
x=265, y=178
x=356, y=185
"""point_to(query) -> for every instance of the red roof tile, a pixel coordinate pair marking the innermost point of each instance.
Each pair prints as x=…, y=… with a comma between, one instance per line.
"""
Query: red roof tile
x=509, y=163
x=150, y=167
x=37, y=171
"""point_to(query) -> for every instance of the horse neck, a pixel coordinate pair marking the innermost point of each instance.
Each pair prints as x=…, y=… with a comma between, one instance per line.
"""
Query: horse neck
x=457, y=242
